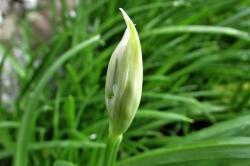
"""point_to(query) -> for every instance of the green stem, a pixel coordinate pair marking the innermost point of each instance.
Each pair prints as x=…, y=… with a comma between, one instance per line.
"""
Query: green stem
x=112, y=149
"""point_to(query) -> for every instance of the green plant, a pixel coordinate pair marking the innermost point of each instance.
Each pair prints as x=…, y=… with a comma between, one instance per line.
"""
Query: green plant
x=123, y=88
x=194, y=107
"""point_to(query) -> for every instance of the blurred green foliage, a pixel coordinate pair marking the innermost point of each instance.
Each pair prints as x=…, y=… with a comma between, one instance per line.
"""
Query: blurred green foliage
x=196, y=92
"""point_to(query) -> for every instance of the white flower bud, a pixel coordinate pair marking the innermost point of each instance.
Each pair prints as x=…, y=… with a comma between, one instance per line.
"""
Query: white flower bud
x=124, y=80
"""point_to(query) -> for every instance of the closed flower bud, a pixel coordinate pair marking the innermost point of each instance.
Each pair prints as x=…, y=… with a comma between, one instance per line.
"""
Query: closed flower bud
x=124, y=80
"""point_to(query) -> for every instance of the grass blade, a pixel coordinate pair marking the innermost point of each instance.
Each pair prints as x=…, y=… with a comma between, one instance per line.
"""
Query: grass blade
x=233, y=148
x=198, y=29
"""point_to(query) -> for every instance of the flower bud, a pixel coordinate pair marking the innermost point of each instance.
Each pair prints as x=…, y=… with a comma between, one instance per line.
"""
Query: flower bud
x=124, y=80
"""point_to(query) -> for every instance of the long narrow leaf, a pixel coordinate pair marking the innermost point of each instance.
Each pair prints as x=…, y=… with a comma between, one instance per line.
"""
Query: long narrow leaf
x=233, y=148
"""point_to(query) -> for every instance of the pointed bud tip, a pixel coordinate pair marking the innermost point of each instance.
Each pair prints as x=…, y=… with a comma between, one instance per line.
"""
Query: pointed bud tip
x=126, y=17
x=122, y=10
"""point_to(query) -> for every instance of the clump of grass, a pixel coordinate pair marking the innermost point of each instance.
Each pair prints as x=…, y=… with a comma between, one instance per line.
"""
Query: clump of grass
x=195, y=98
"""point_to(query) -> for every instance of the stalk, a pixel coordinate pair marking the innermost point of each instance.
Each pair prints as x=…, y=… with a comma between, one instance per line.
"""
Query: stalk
x=112, y=149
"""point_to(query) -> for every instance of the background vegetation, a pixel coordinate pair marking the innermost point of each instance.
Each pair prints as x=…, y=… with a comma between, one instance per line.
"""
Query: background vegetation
x=195, y=106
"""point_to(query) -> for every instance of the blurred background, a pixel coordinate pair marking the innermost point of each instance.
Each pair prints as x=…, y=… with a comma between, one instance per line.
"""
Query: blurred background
x=54, y=56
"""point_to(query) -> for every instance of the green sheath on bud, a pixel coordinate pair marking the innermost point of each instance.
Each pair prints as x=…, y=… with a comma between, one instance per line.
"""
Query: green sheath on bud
x=124, y=80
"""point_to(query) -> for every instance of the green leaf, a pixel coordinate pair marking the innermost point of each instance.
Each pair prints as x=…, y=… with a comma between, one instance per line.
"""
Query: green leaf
x=61, y=144
x=198, y=29
x=151, y=114
x=235, y=125
x=220, y=150
x=63, y=163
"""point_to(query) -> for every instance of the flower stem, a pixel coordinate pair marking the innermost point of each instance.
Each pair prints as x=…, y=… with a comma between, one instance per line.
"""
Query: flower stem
x=112, y=149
